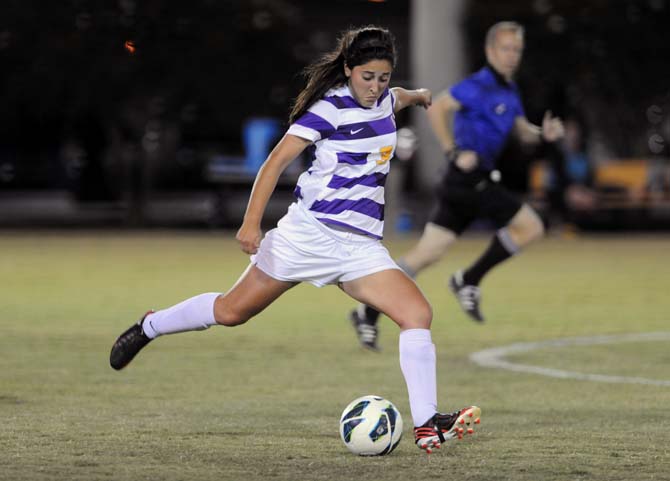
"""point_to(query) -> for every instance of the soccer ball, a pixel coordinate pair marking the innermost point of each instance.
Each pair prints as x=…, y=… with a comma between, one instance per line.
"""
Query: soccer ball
x=371, y=426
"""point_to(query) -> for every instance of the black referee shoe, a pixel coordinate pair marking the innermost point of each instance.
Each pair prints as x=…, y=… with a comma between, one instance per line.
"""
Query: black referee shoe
x=365, y=330
x=468, y=296
x=128, y=345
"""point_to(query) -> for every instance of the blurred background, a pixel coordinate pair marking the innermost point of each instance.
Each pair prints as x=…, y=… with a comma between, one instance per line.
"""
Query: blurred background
x=148, y=113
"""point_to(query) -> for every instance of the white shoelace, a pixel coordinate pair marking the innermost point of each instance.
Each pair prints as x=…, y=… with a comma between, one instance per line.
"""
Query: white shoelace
x=367, y=333
x=468, y=296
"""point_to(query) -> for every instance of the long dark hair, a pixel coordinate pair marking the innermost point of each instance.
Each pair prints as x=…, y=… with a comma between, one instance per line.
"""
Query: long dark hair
x=355, y=47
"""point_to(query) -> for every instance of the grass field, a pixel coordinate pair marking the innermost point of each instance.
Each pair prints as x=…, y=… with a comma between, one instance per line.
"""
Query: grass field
x=262, y=401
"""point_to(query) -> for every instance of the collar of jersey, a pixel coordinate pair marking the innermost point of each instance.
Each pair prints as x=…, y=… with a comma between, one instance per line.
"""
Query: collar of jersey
x=499, y=78
x=351, y=94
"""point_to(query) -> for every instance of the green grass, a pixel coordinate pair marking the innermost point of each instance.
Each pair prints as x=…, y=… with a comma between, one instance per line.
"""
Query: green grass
x=262, y=401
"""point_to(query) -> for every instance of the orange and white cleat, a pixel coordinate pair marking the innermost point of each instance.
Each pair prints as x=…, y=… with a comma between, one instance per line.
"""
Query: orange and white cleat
x=442, y=427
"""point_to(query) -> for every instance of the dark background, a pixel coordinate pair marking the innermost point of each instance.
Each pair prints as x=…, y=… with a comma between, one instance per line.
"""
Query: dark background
x=99, y=98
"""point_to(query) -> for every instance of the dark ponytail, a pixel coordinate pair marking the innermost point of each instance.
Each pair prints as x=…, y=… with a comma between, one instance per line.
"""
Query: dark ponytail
x=355, y=47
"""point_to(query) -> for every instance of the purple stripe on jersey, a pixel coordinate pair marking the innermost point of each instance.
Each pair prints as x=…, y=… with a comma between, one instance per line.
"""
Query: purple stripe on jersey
x=310, y=152
x=364, y=130
x=383, y=96
x=353, y=158
x=315, y=122
x=297, y=192
x=345, y=102
x=362, y=206
x=347, y=226
x=377, y=179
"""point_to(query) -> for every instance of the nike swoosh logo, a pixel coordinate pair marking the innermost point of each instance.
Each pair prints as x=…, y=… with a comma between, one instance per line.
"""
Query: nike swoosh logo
x=354, y=132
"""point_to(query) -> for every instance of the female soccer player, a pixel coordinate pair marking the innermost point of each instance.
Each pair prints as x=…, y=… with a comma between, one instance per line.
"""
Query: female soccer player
x=331, y=234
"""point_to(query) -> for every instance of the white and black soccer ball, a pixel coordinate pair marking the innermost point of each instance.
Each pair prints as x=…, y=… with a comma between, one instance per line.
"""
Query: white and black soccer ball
x=371, y=426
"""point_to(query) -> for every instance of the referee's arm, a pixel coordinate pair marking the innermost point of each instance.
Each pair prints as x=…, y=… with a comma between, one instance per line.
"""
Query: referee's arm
x=528, y=133
x=440, y=115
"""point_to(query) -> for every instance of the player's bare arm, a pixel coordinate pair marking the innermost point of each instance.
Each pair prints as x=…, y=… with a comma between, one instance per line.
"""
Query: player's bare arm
x=289, y=147
x=406, y=98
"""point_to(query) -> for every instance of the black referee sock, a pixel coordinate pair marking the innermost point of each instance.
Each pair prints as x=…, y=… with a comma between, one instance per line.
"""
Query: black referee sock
x=371, y=314
x=496, y=253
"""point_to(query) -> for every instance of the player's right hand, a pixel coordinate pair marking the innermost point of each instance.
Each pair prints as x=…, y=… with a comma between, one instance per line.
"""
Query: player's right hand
x=249, y=238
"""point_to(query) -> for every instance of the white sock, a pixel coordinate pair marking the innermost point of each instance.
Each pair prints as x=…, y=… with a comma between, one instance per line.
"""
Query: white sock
x=417, y=362
x=194, y=314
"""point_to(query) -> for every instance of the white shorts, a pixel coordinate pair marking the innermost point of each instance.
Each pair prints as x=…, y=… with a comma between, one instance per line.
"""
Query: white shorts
x=302, y=249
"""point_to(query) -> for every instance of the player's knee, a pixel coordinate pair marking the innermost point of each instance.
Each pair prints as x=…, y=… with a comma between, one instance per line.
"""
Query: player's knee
x=228, y=316
x=420, y=317
x=425, y=316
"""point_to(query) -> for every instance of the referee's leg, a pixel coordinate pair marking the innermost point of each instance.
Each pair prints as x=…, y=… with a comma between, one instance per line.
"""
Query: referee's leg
x=524, y=227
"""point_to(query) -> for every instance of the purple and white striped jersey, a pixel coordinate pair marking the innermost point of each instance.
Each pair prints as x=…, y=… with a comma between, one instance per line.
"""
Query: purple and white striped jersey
x=352, y=147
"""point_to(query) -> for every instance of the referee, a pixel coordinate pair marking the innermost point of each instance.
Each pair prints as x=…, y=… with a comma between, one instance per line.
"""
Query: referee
x=486, y=110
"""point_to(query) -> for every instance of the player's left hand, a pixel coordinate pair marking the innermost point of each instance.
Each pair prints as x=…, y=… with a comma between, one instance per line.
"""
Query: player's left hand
x=552, y=127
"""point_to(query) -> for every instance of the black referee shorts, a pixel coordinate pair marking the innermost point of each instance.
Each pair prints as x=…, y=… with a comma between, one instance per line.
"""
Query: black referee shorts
x=466, y=196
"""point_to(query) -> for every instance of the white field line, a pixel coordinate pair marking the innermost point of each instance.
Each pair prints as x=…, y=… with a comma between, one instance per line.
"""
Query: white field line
x=495, y=357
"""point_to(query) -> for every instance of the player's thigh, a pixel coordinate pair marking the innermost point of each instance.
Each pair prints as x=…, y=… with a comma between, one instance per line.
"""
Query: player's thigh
x=395, y=294
x=253, y=292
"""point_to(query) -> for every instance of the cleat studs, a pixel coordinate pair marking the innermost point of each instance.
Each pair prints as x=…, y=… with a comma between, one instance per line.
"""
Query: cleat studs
x=470, y=430
x=462, y=421
x=470, y=414
x=477, y=421
x=459, y=430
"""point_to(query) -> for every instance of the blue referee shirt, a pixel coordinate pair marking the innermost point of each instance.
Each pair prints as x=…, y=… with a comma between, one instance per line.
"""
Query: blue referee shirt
x=489, y=106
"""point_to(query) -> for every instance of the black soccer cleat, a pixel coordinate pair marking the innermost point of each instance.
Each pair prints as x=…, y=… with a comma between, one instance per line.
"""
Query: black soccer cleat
x=442, y=427
x=365, y=330
x=468, y=296
x=128, y=344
